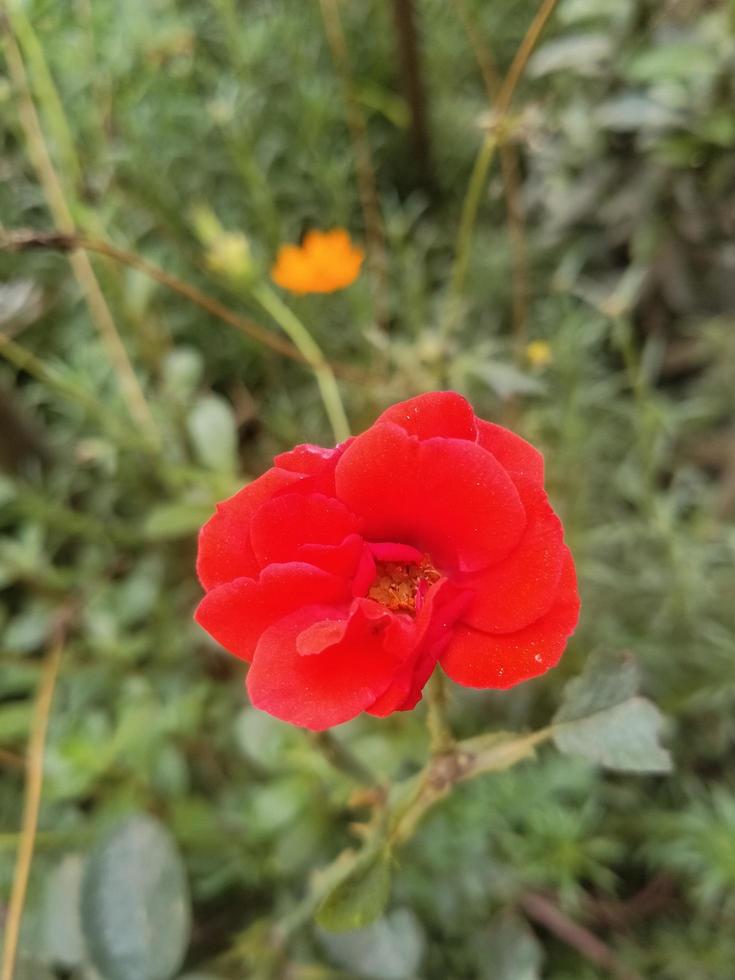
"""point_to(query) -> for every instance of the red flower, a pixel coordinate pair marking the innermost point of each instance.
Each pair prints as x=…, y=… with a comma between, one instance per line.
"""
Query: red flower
x=345, y=574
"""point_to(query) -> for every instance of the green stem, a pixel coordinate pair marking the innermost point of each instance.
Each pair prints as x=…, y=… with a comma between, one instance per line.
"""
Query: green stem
x=299, y=335
x=342, y=759
x=412, y=800
x=441, y=739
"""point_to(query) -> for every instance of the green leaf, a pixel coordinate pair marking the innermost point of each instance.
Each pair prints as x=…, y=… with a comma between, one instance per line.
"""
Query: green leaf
x=603, y=720
x=509, y=950
x=177, y=520
x=359, y=898
x=389, y=949
x=60, y=924
x=135, y=903
x=607, y=680
x=213, y=432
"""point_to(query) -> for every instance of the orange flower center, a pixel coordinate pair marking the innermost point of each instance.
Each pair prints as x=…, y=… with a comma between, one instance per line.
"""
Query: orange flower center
x=397, y=583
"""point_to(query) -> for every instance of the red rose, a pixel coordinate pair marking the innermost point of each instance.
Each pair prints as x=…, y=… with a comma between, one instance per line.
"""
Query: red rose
x=345, y=574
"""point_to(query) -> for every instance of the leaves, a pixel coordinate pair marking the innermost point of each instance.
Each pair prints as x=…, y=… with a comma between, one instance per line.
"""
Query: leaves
x=213, y=432
x=389, y=949
x=360, y=897
x=602, y=719
x=135, y=903
x=60, y=924
x=510, y=951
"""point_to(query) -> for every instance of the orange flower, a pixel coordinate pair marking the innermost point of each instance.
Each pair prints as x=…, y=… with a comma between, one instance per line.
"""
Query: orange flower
x=326, y=261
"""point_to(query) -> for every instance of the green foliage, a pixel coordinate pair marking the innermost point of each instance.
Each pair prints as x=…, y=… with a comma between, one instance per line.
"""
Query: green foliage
x=601, y=719
x=134, y=903
x=625, y=136
x=360, y=897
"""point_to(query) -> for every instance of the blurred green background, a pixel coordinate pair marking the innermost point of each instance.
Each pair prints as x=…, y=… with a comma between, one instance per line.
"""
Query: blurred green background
x=605, y=232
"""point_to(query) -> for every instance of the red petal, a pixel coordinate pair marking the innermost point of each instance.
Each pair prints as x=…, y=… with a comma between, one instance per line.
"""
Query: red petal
x=438, y=413
x=333, y=686
x=314, y=462
x=448, y=497
x=443, y=604
x=522, y=587
x=236, y=613
x=285, y=523
x=478, y=659
x=514, y=454
x=225, y=552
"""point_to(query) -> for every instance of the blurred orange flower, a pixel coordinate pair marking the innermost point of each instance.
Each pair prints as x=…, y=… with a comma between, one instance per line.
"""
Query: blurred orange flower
x=324, y=262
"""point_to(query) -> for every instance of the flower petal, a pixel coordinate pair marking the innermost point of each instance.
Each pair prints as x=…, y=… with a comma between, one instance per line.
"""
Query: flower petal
x=324, y=689
x=522, y=587
x=514, y=454
x=314, y=462
x=287, y=522
x=225, y=552
x=477, y=659
x=236, y=613
x=447, y=497
x=437, y=413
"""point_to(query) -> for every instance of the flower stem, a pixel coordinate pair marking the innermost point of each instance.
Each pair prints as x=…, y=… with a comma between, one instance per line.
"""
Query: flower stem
x=441, y=739
x=342, y=759
x=299, y=335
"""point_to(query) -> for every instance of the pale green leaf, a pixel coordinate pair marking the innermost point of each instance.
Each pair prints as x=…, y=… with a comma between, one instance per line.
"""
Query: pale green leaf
x=389, y=949
x=509, y=950
x=135, y=903
x=213, y=432
x=602, y=719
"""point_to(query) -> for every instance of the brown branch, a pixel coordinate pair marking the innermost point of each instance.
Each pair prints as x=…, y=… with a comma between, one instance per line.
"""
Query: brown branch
x=366, y=182
x=11, y=760
x=32, y=797
x=22, y=240
x=543, y=911
x=412, y=77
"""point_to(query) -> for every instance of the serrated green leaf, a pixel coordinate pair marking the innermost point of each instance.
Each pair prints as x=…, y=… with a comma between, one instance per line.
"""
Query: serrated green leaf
x=358, y=899
x=135, y=903
x=602, y=718
x=624, y=737
x=607, y=679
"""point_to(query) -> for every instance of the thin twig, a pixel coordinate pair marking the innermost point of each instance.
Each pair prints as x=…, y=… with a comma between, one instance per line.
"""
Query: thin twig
x=547, y=914
x=32, y=798
x=510, y=172
x=366, y=182
x=21, y=239
x=409, y=54
x=478, y=177
x=81, y=266
x=339, y=756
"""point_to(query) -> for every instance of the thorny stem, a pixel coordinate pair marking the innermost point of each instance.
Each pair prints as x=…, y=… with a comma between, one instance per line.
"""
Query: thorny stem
x=298, y=334
x=412, y=800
